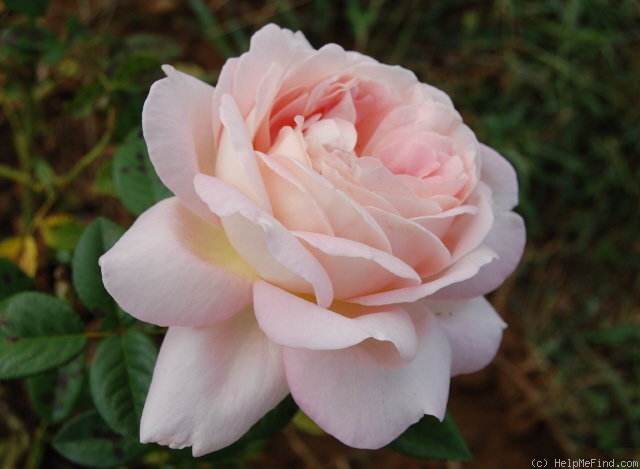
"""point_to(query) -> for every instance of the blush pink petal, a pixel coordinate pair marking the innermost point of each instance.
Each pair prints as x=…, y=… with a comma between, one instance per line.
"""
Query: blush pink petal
x=236, y=162
x=463, y=269
x=474, y=330
x=498, y=174
x=356, y=269
x=410, y=242
x=348, y=219
x=468, y=231
x=177, y=126
x=291, y=321
x=506, y=239
x=366, y=395
x=173, y=268
x=291, y=202
x=263, y=242
x=270, y=45
x=210, y=385
x=507, y=235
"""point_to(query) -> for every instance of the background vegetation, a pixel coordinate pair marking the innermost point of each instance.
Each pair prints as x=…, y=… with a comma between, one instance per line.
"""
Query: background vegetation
x=554, y=86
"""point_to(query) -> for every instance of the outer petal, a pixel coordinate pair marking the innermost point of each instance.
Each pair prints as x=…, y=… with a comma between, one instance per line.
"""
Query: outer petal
x=211, y=385
x=366, y=395
x=474, y=330
x=177, y=126
x=294, y=322
x=500, y=176
x=507, y=236
x=243, y=76
x=274, y=253
x=170, y=255
x=506, y=239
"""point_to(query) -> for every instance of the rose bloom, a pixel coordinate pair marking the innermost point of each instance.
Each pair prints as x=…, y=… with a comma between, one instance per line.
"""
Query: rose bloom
x=334, y=227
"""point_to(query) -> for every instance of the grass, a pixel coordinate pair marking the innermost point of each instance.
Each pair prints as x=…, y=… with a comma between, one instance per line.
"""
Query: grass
x=554, y=86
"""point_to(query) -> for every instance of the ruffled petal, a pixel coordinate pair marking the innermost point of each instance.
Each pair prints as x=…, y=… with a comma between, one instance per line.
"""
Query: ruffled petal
x=507, y=239
x=366, y=396
x=169, y=255
x=498, y=174
x=410, y=242
x=463, y=269
x=468, y=231
x=236, y=161
x=291, y=202
x=210, y=385
x=507, y=236
x=356, y=269
x=294, y=322
x=474, y=330
x=263, y=242
x=177, y=126
x=348, y=219
x=243, y=76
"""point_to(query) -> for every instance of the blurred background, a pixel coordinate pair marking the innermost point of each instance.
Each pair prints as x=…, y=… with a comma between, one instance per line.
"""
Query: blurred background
x=554, y=86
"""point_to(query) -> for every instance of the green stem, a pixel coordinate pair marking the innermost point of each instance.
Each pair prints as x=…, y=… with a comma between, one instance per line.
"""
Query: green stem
x=20, y=119
x=92, y=154
x=16, y=175
x=37, y=446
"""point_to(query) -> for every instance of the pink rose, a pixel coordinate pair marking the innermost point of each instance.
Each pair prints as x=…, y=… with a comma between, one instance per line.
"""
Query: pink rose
x=334, y=227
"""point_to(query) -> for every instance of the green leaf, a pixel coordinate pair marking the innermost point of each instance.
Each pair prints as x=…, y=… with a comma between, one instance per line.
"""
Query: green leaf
x=61, y=231
x=103, y=183
x=432, y=439
x=54, y=393
x=134, y=177
x=87, y=440
x=119, y=378
x=37, y=333
x=33, y=8
x=12, y=279
x=96, y=239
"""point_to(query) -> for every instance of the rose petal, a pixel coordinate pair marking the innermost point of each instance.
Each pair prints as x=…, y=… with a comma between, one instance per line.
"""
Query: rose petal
x=468, y=231
x=366, y=395
x=294, y=322
x=291, y=202
x=241, y=77
x=498, y=174
x=463, y=269
x=236, y=162
x=348, y=219
x=410, y=242
x=507, y=239
x=263, y=242
x=356, y=269
x=474, y=330
x=170, y=254
x=176, y=122
x=210, y=385
x=507, y=236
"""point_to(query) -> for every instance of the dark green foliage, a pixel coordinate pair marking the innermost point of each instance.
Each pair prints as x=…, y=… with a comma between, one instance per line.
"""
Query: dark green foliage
x=120, y=376
x=12, y=279
x=432, y=439
x=37, y=333
x=87, y=440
